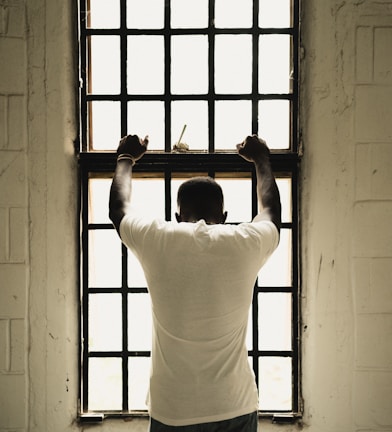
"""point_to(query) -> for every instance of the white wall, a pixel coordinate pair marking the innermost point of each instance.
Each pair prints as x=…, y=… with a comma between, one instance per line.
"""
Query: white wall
x=346, y=197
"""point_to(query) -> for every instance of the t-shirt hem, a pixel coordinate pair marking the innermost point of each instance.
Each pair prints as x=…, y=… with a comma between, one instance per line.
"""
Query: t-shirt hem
x=200, y=420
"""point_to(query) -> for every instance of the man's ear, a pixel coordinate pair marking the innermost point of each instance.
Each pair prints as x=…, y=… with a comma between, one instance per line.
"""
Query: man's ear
x=224, y=217
x=178, y=217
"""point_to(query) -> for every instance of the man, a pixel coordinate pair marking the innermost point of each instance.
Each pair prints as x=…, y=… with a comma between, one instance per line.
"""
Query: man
x=200, y=275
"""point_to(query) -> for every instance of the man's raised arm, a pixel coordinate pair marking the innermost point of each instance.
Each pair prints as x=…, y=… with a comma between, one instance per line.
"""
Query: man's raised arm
x=130, y=149
x=255, y=150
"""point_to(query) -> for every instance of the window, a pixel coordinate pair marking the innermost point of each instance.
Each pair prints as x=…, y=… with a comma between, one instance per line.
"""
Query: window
x=213, y=72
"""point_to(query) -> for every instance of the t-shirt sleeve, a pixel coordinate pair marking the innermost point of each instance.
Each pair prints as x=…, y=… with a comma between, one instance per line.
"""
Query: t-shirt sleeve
x=135, y=232
x=264, y=236
x=141, y=234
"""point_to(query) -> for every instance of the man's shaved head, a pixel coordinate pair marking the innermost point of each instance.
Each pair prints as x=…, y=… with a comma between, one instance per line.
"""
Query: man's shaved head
x=200, y=198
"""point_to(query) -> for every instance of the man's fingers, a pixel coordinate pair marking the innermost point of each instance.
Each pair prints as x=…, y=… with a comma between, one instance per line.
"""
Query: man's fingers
x=130, y=138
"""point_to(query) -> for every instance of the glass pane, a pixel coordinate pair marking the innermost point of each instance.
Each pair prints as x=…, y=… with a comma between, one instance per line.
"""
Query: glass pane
x=194, y=114
x=148, y=197
x=189, y=73
x=104, y=65
x=237, y=195
x=233, y=13
x=233, y=64
x=139, y=377
x=233, y=123
x=275, y=13
x=145, y=14
x=148, y=118
x=148, y=200
x=175, y=184
x=275, y=383
x=136, y=278
x=274, y=123
x=145, y=66
x=98, y=210
x=277, y=270
x=275, y=64
x=189, y=13
x=104, y=259
x=275, y=321
x=284, y=186
x=105, y=125
x=105, y=324
x=104, y=14
x=139, y=322
x=104, y=384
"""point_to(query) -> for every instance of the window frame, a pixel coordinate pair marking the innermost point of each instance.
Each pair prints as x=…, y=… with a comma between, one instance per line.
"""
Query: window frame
x=167, y=162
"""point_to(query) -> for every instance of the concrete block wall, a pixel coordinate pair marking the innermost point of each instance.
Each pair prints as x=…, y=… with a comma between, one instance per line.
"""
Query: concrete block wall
x=346, y=201
x=13, y=218
x=372, y=216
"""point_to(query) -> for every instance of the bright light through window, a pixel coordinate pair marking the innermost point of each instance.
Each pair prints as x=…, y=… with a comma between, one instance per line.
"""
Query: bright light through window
x=189, y=74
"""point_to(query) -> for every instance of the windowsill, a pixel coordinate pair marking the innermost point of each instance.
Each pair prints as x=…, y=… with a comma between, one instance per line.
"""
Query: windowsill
x=158, y=161
x=97, y=418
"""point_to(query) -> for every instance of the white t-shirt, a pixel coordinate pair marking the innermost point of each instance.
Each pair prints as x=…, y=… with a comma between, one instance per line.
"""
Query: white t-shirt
x=201, y=279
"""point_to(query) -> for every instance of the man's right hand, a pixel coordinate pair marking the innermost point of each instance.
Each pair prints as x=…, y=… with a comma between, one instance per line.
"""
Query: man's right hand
x=253, y=149
x=133, y=145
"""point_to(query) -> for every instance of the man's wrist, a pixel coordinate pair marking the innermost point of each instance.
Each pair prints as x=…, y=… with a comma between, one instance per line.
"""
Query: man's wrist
x=262, y=160
x=126, y=156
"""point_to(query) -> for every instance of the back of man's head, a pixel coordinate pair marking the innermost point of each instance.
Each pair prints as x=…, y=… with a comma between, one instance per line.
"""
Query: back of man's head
x=200, y=198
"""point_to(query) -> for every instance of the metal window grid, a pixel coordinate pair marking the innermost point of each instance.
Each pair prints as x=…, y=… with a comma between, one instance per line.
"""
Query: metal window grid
x=284, y=163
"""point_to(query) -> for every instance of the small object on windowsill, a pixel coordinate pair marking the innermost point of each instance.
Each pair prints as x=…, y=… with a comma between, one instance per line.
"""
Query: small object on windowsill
x=181, y=146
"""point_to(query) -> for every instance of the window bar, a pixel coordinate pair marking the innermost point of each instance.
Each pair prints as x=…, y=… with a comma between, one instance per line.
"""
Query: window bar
x=167, y=90
x=82, y=67
x=295, y=297
x=124, y=257
x=88, y=81
x=294, y=192
x=272, y=289
x=255, y=334
x=255, y=303
x=168, y=208
x=255, y=68
x=80, y=284
x=295, y=79
x=139, y=353
x=85, y=292
x=255, y=202
x=211, y=76
x=123, y=67
x=124, y=298
x=272, y=353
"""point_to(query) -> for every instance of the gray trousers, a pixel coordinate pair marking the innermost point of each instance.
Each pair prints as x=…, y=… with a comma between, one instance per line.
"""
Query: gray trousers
x=245, y=423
